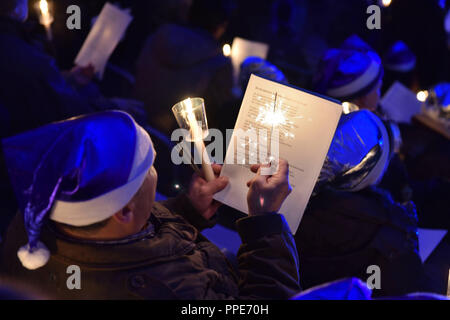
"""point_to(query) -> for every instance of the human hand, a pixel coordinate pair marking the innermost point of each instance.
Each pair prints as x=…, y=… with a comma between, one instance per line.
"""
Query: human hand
x=267, y=193
x=82, y=76
x=201, y=192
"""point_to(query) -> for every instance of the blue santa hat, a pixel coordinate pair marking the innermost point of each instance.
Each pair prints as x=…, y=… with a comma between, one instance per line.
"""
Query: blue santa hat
x=357, y=44
x=78, y=172
x=350, y=71
x=442, y=92
x=259, y=67
x=400, y=58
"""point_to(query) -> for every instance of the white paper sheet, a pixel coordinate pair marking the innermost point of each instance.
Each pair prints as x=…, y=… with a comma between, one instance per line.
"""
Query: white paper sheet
x=429, y=239
x=400, y=104
x=103, y=38
x=242, y=49
x=304, y=142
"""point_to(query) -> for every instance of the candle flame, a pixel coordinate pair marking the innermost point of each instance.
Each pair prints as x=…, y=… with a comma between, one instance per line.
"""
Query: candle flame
x=422, y=96
x=188, y=103
x=226, y=50
x=43, y=5
x=189, y=115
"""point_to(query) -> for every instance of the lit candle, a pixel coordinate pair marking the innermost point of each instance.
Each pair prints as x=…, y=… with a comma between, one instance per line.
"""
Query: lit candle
x=226, y=50
x=46, y=18
x=422, y=96
x=197, y=136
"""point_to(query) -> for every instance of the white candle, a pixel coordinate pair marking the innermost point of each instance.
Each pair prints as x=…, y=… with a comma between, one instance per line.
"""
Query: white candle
x=197, y=136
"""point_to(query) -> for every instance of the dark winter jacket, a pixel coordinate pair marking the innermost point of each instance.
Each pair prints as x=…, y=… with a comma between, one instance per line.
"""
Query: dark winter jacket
x=170, y=259
x=342, y=234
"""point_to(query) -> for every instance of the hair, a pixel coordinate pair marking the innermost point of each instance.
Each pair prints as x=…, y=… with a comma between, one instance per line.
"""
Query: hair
x=84, y=230
x=405, y=78
x=95, y=227
x=7, y=6
x=210, y=14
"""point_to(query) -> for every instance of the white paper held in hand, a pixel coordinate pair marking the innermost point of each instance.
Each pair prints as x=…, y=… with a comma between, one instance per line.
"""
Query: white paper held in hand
x=305, y=126
x=103, y=38
x=242, y=49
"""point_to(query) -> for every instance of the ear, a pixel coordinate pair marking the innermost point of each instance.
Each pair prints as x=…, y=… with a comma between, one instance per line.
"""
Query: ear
x=359, y=101
x=126, y=215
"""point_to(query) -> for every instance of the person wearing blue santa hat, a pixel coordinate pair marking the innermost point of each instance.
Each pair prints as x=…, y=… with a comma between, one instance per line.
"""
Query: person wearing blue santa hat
x=86, y=191
x=359, y=223
x=363, y=188
x=400, y=58
x=400, y=65
x=351, y=73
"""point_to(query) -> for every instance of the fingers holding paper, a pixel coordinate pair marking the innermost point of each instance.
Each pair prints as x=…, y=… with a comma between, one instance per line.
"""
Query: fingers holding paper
x=82, y=76
x=267, y=193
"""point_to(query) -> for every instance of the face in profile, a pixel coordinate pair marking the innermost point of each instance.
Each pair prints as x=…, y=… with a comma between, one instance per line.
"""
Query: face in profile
x=145, y=198
x=370, y=100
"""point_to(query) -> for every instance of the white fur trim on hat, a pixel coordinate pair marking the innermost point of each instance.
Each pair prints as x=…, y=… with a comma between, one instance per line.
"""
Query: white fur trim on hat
x=84, y=213
x=359, y=83
x=401, y=67
x=375, y=175
x=34, y=259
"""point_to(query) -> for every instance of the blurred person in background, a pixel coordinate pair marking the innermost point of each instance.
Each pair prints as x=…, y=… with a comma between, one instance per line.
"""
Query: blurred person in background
x=354, y=73
x=180, y=61
x=251, y=65
x=32, y=90
x=351, y=223
x=400, y=64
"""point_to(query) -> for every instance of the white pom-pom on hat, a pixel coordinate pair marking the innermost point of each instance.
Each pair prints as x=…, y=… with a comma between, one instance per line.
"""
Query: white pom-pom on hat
x=34, y=259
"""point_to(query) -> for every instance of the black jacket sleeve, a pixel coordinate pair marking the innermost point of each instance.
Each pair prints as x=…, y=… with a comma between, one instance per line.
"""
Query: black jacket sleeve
x=268, y=259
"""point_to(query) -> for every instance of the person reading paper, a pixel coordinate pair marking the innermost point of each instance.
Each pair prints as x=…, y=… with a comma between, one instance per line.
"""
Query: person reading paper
x=92, y=204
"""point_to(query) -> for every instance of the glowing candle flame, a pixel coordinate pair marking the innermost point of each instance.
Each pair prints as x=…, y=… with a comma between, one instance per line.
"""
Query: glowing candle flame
x=197, y=137
x=43, y=5
x=188, y=103
x=193, y=125
x=386, y=3
x=346, y=107
x=226, y=50
x=422, y=96
x=46, y=17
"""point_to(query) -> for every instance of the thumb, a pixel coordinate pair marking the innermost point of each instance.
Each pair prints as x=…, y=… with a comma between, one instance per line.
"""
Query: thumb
x=216, y=185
